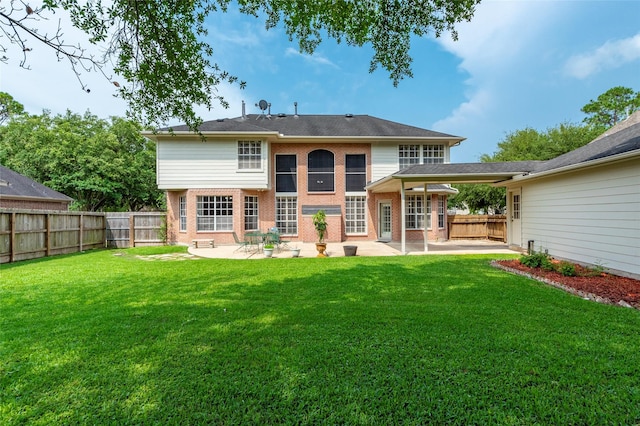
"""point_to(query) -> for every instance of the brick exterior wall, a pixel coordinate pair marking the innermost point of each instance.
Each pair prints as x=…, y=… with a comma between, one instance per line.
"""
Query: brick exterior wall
x=306, y=231
x=33, y=205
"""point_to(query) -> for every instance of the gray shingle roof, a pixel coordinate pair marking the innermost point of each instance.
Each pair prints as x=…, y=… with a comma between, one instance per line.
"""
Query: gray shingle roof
x=13, y=184
x=613, y=143
x=317, y=125
x=471, y=168
x=621, y=139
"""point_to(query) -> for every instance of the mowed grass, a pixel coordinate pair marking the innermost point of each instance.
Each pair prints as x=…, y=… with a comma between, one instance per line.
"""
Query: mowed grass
x=108, y=338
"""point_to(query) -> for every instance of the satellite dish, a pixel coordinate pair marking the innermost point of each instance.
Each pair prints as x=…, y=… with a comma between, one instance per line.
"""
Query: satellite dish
x=263, y=104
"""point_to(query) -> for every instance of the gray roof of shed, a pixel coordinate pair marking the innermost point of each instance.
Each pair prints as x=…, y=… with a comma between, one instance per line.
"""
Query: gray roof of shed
x=13, y=184
x=317, y=126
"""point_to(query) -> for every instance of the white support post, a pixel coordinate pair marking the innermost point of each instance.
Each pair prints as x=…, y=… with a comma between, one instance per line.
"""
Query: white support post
x=426, y=225
x=403, y=236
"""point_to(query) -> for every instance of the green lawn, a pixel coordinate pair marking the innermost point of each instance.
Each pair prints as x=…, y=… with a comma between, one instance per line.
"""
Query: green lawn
x=107, y=338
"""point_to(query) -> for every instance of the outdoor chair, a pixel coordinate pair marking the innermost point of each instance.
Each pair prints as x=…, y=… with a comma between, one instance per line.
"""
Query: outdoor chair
x=241, y=244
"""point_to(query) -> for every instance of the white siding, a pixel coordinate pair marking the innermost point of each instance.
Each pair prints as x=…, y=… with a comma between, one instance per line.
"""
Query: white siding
x=591, y=216
x=384, y=160
x=188, y=164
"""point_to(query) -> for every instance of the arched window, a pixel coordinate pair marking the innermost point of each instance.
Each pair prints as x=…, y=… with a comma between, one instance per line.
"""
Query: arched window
x=320, y=174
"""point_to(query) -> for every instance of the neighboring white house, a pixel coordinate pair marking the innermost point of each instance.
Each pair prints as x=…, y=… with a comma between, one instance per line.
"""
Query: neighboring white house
x=582, y=206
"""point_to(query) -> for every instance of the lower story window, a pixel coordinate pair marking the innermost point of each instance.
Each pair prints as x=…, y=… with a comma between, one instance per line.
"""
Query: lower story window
x=250, y=213
x=183, y=214
x=214, y=213
x=287, y=215
x=355, y=215
x=441, y=200
x=414, y=211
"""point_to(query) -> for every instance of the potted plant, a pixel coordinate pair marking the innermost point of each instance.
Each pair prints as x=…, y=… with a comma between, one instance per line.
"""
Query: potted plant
x=295, y=251
x=320, y=223
x=267, y=250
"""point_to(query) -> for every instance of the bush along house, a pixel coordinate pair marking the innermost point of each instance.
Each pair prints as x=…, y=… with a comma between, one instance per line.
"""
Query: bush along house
x=259, y=171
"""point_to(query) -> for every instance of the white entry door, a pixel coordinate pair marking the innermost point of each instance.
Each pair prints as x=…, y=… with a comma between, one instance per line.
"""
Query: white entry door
x=384, y=219
x=515, y=208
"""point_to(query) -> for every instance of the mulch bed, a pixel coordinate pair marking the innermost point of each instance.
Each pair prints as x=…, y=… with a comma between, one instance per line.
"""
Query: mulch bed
x=600, y=287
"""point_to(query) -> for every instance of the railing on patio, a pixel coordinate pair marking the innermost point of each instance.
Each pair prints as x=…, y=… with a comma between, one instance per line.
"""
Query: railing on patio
x=491, y=227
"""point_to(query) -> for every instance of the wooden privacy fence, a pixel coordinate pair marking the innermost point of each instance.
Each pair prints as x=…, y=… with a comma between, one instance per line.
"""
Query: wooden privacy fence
x=29, y=234
x=492, y=227
x=127, y=229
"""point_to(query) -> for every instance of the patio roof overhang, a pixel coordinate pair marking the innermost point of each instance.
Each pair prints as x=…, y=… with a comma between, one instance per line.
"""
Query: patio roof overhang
x=422, y=174
x=393, y=183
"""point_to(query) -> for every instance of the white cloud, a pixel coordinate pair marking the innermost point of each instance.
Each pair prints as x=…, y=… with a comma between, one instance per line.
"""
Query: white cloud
x=497, y=34
x=610, y=55
x=477, y=106
x=313, y=59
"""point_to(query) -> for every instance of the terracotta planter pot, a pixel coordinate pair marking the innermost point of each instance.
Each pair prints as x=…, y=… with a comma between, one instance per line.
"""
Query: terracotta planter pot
x=321, y=247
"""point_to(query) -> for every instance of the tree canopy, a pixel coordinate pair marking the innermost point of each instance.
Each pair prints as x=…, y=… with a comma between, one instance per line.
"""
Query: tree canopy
x=521, y=145
x=614, y=105
x=165, y=65
x=9, y=107
x=103, y=165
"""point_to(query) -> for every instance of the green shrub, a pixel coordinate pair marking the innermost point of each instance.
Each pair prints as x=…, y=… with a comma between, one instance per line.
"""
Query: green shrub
x=535, y=260
x=567, y=269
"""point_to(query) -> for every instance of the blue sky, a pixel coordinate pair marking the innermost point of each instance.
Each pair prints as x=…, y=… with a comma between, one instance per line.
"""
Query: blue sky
x=517, y=64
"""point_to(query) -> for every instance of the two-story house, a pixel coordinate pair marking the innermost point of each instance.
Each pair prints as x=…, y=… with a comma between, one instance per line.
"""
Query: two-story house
x=258, y=171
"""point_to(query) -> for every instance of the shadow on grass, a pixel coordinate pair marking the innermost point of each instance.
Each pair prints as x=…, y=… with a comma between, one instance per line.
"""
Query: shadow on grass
x=359, y=340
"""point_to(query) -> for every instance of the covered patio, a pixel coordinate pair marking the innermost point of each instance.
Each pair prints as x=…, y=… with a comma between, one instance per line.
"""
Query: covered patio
x=365, y=248
x=419, y=176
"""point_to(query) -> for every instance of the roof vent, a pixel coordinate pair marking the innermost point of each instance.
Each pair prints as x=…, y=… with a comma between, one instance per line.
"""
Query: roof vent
x=282, y=114
x=220, y=120
x=348, y=115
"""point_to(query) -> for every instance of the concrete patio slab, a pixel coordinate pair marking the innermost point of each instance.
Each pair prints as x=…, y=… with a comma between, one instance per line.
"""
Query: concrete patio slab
x=365, y=248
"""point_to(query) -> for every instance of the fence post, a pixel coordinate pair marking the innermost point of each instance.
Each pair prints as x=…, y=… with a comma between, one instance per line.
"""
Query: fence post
x=81, y=232
x=47, y=235
x=12, y=238
x=132, y=231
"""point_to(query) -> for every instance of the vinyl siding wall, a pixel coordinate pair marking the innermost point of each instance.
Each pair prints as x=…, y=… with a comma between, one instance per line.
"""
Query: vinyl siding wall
x=591, y=216
x=195, y=164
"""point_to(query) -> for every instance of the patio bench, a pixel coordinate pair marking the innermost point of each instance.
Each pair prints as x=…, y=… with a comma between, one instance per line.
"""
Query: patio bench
x=203, y=243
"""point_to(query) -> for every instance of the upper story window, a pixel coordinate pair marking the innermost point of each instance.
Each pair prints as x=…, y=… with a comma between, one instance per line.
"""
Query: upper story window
x=320, y=171
x=432, y=154
x=356, y=172
x=286, y=173
x=249, y=155
x=408, y=155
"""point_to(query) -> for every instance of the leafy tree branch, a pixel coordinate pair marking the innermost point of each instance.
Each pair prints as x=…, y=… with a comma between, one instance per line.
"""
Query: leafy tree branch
x=164, y=63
